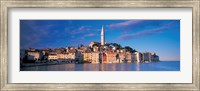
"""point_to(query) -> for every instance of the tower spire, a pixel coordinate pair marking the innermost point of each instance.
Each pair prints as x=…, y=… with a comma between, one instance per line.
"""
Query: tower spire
x=102, y=36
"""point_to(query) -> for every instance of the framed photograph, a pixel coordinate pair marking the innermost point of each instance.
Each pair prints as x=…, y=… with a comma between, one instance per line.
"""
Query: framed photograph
x=99, y=45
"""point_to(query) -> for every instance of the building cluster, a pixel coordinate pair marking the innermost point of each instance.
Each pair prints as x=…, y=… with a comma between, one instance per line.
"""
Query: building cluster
x=68, y=54
x=96, y=52
x=88, y=54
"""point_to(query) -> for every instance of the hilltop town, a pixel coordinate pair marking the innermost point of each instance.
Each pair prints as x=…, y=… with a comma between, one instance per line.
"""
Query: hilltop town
x=95, y=52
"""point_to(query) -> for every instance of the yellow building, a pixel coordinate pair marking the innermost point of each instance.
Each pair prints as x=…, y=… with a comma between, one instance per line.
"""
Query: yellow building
x=87, y=57
x=61, y=56
x=91, y=57
x=95, y=57
x=52, y=57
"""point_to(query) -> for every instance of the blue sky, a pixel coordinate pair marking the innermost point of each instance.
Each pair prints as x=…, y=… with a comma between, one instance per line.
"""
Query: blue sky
x=160, y=36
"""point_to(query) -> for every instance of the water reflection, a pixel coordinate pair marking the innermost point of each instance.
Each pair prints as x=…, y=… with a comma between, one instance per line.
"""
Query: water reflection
x=157, y=66
x=113, y=67
x=137, y=66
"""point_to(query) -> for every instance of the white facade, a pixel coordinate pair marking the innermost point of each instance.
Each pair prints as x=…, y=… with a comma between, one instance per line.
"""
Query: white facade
x=102, y=36
x=34, y=55
x=138, y=57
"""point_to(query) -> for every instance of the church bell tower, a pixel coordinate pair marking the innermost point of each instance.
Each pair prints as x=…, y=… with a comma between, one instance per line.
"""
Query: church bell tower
x=102, y=36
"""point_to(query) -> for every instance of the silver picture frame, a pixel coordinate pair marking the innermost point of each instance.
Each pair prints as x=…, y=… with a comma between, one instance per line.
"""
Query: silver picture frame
x=7, y=4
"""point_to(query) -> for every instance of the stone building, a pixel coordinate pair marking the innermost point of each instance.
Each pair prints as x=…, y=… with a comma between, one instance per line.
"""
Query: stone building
x=52, y=57
x=91, y=57
x=34, y=55
x=130, y=57
x=138, y=57
x=111, y=57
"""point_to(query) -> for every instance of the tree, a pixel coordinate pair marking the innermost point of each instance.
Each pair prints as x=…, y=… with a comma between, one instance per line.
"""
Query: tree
x=107, y=44
x=91, y=49
x=117, y=46
x=134, y=50
x=95, y=45
x=129, y=49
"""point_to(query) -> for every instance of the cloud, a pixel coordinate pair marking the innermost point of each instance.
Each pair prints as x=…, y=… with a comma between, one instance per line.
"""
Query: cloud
x=124, y=24
x=79, y=30
x=90, y=35
x=145, y=32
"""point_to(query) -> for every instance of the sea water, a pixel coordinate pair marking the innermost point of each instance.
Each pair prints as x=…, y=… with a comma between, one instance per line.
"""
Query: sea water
x=152, y=66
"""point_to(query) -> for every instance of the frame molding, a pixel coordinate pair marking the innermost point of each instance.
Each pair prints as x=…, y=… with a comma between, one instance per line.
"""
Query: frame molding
x=6, y=4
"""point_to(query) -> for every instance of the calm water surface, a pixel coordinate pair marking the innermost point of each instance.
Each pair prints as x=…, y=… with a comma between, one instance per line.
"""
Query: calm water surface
x=154, y=66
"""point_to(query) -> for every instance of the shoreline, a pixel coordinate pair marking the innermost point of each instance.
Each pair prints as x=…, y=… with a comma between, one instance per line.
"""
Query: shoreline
x=46, y=64
x=39, y=64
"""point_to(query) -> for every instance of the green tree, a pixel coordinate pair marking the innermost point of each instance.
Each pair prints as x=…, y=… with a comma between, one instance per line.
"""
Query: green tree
x=129, y=49
x=107, y=44
x=95, y=45
x=117, y=46
x=90, y=48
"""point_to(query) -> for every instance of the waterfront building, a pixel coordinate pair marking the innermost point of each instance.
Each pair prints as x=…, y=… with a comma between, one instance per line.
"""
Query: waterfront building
x=61, y=56
x=91, y=57
x=146, y=56
x=130, y=57
x=154, y=57
x=95, y=57
x=87, y=57
x=73, y=56
x=111, y=57
x=150, y=56
x=122, y=57
x=79, y=57
x=138, y=57
x=70, y=55
x=52, y=57
x=45, y=55
x=35, y=55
